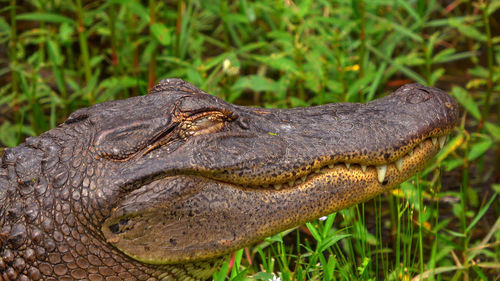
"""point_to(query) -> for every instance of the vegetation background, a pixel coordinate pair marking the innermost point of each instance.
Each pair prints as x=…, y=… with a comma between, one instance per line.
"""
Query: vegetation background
x=443, y=224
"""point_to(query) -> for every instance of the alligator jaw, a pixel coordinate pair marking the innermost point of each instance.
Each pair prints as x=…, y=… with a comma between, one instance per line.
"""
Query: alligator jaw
x=213, y=218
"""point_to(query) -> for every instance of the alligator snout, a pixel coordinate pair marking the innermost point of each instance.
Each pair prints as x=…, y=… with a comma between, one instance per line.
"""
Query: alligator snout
x=238, y=184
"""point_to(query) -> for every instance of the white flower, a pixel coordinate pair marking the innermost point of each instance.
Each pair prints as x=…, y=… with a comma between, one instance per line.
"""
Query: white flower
x=229, y=68
x=226, y=64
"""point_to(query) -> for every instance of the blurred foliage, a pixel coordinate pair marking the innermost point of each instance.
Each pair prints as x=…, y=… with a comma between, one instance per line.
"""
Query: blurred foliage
x=57, y=56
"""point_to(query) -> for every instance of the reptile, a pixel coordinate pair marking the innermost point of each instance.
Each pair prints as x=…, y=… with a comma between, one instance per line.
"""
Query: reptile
x=164, y=186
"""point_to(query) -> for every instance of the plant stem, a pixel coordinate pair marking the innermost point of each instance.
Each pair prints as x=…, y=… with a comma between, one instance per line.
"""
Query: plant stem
x=362, y=47
x=340, y=67
x=152, y=58
x=13, y=54
x=134, y=70
x=463, y=203
x=84, y=48
x=420, y=223
x=112, y=28
x=489, y=46
x=398, y=237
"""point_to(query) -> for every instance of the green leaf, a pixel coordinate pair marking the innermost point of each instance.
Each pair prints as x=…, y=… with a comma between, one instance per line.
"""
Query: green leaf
x=454, y=233
x=280, y=62
x=410, y=10
x=263, y=276
x=314, y=231
x=45, y=17
x=135, y=7
x=472, y=197
x=404, y=30
x=8, y=134
x=161, y=33
x=65, y=32
x=466, y=100
x=110, y=87
x=328, y=224
x=480, y=214
x=54, y=52
x=364, y=264
x=493, y=129
x=467, y=30
x=446, y=21
x=275, y=238
x=492, y=7
x=479, y=148
x=256, y=83
x=220, y=275
x=4, y=26
x=330, y=267
x=408, y=72
x=453, y=163
x=39, y=118
x=400, y=29
x=329, y=241
x=448, y=55
x=436, y=74
x=479, y=71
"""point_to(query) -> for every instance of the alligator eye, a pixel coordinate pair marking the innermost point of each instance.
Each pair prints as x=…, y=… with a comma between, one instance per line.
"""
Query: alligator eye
x=203, y=123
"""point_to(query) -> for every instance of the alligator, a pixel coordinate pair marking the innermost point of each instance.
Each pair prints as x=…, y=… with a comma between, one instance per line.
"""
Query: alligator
x=166, y=185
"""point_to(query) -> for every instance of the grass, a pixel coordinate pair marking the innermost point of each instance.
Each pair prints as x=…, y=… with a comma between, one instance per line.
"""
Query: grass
x=443, y=224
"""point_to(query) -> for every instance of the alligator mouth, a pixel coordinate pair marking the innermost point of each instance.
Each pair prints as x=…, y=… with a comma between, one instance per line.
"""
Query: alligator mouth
x=352, y=169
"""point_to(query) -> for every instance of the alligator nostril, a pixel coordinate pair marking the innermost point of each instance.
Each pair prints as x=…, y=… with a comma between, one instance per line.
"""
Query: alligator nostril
x=418, y=96
x=385, y=182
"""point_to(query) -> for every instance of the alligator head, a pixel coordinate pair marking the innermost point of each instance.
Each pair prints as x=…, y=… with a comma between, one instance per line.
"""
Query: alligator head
x=167, y=182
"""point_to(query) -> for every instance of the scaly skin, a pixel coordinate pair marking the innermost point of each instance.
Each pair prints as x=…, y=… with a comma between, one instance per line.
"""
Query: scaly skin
x=163, y=186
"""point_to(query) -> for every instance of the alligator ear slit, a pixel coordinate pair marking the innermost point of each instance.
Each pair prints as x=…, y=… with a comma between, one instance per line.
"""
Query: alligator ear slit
x=114, y=228
x=77, y=118
x=174, y=84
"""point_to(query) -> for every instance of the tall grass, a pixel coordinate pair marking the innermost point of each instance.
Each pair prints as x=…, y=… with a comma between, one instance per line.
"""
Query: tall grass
x=443, y=224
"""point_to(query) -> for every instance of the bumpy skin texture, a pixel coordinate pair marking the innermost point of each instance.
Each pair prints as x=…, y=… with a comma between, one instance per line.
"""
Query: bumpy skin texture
x=159, y=187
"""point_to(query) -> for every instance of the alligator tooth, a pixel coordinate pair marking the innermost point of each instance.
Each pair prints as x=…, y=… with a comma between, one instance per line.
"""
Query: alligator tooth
x=381, y=172
x=318, y=171
x=442, y=140
x=266, y=185
x=434, y=140
x=330, y=166
x=277, y=186
x=410, y=152
x=399, y=164
x=348, y=165
x=291, y=183
x=303, y=178
x=363, y=167
x=421, y=145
